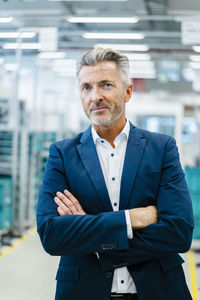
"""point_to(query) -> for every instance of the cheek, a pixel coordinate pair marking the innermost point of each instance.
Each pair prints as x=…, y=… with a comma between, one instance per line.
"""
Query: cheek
x=85, y=101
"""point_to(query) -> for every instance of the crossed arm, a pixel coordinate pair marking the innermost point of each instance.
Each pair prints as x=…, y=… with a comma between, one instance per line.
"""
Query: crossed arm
x=140, y=217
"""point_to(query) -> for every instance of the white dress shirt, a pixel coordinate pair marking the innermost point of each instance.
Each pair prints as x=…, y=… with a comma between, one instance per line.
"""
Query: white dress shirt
x=112, y=161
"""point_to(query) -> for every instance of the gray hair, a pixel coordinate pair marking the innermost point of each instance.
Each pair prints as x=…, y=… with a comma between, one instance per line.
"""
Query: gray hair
x=98, y=54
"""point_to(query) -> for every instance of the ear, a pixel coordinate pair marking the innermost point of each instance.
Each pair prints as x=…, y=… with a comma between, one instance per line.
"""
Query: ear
x=129, y=90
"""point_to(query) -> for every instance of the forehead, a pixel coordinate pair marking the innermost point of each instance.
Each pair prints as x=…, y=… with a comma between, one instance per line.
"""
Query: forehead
x=102, y=71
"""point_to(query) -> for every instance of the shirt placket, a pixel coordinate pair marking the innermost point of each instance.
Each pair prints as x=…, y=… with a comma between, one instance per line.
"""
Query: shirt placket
x=113, y=178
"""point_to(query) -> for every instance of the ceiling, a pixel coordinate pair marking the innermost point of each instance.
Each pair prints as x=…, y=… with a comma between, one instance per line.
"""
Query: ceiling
x=159, y=21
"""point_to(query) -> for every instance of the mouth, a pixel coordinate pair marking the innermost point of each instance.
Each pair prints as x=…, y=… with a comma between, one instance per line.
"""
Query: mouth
x=97, y=109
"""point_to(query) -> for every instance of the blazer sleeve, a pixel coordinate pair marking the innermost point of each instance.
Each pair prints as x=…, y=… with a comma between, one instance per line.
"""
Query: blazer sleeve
x=74, y=234
x=173, y=232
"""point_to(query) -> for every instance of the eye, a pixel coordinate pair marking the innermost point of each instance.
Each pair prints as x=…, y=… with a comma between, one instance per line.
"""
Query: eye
x=107, y=84
x=86, y=88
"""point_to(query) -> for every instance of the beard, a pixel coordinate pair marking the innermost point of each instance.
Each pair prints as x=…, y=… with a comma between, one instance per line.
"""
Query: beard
x=107, y=117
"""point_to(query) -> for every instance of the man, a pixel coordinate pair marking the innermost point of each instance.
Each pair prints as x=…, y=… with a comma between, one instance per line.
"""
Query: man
x=114, y=203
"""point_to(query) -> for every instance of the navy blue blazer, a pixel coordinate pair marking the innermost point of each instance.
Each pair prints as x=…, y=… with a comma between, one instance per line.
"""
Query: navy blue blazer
x=152, y=175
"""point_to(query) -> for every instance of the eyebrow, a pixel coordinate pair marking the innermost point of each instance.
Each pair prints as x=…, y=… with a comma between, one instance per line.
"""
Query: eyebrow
x=105, y=80
x=100, y=82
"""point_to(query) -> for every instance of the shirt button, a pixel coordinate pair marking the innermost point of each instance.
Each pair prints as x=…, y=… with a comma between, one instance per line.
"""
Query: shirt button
x=115, y=204
x=113, y=178
x=102, y=141
x=112, y=154
x=122, y=281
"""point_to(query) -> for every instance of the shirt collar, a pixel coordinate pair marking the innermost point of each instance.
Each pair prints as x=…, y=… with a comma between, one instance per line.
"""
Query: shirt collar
x=124, y=133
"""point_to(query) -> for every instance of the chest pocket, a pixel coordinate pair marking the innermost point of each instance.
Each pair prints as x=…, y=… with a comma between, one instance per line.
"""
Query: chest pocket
x=67, y=273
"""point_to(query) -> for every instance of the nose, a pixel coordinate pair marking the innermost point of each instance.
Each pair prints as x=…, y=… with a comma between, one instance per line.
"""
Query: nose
x=96, y=95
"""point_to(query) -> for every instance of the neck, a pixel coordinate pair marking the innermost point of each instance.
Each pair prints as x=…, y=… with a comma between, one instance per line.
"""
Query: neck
x=110, y=132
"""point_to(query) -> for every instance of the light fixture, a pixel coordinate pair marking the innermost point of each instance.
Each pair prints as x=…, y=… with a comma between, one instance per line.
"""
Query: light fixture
x=195, y=57
x=148, y=73
x=196, y=48
x=1, y=61
x=142, y=64
x=112, y=35
x=6, y=20
x=89, y=0
x=127, y=47
x=51, y=55
x=136, y=56
x=15, y=35
x=23, y=46
x=102, y=20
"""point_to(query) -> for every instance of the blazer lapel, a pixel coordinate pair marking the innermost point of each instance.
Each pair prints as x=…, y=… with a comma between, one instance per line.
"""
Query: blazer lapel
x=89, y=157
x=135, y=147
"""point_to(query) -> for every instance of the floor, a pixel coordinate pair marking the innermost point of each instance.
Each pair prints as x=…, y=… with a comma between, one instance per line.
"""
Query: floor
x=28, y=273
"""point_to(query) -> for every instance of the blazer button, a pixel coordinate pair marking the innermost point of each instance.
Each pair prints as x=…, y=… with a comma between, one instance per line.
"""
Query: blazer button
x=108, y=274
x=114, y=246
x=104, y=247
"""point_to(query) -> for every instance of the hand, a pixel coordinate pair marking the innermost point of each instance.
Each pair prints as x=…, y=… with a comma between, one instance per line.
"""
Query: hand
x=142, y=217
x=68, y=204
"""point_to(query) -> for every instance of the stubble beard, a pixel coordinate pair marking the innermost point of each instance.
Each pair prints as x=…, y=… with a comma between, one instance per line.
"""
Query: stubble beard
x=108, y=120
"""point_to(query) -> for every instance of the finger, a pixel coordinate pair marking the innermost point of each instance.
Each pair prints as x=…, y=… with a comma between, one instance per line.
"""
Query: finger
x=71, y=197
x=62, y=206
x=60, y=211
x=68, y=203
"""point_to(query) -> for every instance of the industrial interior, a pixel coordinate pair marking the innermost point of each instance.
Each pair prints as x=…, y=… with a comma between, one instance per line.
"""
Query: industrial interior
x=40, y=43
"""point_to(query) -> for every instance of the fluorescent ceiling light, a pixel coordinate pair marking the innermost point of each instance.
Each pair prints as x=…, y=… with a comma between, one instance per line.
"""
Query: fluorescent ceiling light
x=112, y=35
x=141, y=64
x=89, y=0
x=51, y=55
x=194, y=65
x=23, y=46
x=143, y=73
x=136, y=56
x=101, y=20
x=15, y=35
x=6, y=20
x=195, y=57
x=196, y=48
x=122, y=47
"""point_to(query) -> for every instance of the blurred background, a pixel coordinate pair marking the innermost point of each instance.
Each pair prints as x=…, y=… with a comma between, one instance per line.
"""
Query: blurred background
x=40, y=42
